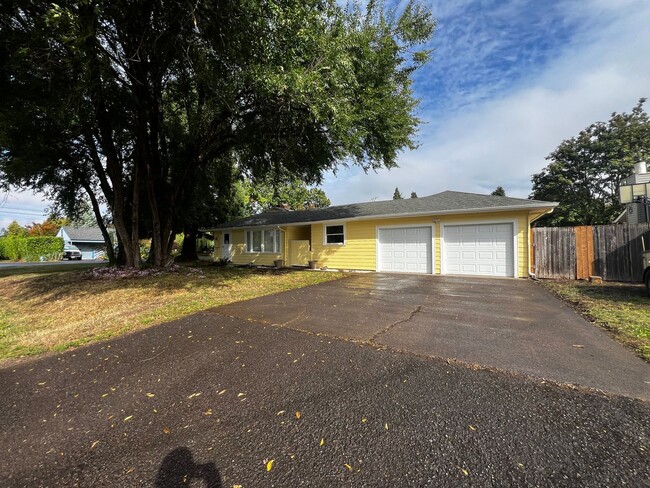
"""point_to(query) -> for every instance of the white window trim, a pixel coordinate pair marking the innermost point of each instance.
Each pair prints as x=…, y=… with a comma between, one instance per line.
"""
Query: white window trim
x=515, y=234
x=277, y=242
x=433, y=243
x=335, y=224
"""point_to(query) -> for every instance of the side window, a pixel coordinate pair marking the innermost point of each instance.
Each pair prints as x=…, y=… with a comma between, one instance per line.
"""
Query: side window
x=334, y=234
x=226, y=238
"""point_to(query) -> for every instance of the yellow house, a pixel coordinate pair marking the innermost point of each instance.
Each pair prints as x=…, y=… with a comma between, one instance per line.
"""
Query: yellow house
x=446, y=233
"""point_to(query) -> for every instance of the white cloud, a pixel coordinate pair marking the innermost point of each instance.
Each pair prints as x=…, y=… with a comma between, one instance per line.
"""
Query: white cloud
x=504, y=140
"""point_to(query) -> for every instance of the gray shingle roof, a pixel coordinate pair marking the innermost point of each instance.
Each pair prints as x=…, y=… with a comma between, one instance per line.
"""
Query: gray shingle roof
x=444, y=202
x=84, y=234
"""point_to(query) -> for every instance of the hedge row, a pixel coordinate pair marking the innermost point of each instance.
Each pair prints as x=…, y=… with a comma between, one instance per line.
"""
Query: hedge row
x=31, y=248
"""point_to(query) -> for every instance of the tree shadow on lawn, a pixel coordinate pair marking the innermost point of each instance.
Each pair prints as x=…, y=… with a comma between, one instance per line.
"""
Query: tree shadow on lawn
x=52, y=287
x=615, y=291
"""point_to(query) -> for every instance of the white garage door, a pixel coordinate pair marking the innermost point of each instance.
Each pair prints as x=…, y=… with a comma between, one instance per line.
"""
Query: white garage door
x=485, y=249
x=405, y=250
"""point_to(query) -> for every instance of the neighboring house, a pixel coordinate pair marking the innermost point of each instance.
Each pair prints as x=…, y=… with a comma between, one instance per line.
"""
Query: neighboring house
x=446, y=233
x=89, y=240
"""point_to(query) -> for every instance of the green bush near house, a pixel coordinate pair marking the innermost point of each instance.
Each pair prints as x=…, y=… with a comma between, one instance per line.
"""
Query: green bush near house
x=31, y=248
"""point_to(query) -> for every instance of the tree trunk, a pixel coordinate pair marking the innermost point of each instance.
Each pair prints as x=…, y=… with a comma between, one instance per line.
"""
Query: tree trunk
x=110, y=251
x=188, y=252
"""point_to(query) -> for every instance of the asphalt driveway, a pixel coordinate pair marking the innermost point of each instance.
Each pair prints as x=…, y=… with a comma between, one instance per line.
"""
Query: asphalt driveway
x=211, y=401
x=505, y=324
x=218, y=401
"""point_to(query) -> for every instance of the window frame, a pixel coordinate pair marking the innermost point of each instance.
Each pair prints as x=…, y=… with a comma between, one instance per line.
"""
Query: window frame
x=325, y=235
x=249, y=239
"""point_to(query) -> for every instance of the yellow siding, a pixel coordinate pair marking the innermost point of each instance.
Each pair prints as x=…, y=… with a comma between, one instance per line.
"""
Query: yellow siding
x=360, y=249
x=240, y=256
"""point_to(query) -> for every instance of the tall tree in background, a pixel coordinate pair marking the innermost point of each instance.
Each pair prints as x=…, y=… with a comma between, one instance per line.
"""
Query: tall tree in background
x=414, y=195
x=397, y=195
x=585, y=171
x=134, y=101
x=499, y=191
x=270, y=192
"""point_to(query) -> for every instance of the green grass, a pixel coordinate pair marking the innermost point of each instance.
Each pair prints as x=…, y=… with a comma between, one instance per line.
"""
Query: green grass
x=55, y=308
x=621, y=308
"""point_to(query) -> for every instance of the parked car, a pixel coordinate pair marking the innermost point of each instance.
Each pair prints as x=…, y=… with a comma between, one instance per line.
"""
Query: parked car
x=71, y=252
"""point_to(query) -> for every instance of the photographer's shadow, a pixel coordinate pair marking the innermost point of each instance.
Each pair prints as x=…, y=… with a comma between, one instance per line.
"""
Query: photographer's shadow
x=178, y=469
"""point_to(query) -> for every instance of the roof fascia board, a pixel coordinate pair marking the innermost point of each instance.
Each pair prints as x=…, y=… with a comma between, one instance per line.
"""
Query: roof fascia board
x=548, y=207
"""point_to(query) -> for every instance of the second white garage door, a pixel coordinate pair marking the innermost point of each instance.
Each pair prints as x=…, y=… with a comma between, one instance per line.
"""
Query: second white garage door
x=405, y=250
x=483, y=249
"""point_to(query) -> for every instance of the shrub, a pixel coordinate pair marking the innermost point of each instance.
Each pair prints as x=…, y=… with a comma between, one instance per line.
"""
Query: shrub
x=9, y=248
x=31, y=248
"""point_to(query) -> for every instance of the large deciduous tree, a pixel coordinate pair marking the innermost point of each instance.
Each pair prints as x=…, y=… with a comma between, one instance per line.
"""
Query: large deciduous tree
x=585, y=171
x=133, y=101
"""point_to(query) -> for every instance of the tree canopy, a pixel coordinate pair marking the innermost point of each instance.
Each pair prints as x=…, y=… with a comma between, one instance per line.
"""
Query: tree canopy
x=499, y=191
x=397, y=195
x=294, y=193
x=136, y=103
x=585, y=171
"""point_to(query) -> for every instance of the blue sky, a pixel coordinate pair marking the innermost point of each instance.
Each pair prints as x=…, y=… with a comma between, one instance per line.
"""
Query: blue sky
x=509, y=80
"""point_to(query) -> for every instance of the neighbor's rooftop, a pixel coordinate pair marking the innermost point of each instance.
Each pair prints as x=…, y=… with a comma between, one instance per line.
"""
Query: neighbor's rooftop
x=446, y=202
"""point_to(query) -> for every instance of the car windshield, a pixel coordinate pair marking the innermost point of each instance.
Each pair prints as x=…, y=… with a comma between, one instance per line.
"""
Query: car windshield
x=70, y=247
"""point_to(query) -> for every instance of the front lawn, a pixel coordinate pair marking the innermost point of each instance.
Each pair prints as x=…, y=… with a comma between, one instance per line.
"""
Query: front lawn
x=621, y=308
x=45, y=310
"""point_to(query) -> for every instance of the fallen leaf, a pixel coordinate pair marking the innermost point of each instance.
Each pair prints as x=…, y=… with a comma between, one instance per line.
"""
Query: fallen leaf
x=194, y=395
x=363, y=421
x=298, y=415
x=269, y=465
x=348, y=466
x=221, y=392
x=281, y=412
x=41, y=384
x=322, y=442
x=130, y=470
x=166, y=430
x=150, y=395
x=579, y=346
x=240, y=394
x=464, y=471
x=94, y=444
x=471, y=427
x=128, y=418
x=386, y=426
x=236, y=486
x=520, y=465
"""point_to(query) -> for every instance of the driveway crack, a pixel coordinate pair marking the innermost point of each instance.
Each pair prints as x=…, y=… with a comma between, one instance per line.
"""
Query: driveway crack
x=390, y=326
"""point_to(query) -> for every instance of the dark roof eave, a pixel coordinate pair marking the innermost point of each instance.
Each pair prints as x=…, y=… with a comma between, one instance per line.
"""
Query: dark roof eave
x=549, y=206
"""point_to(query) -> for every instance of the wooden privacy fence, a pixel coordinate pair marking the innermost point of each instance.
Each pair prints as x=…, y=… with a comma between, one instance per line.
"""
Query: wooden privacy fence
x=613, y=252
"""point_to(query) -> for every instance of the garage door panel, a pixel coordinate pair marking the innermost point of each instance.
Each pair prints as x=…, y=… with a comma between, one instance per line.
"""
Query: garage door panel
x=410, y=250
x=479, y=249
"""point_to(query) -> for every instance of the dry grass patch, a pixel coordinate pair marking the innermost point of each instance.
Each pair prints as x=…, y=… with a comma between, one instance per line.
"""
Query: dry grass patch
x=621, y=308
x=42, y=312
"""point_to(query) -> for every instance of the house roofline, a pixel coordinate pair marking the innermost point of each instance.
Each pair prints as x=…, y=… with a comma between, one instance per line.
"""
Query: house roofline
x=548, y=206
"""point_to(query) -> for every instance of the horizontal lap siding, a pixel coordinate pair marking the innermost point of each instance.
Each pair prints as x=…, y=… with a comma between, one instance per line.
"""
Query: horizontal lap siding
x=240, y=256
x=360, y=249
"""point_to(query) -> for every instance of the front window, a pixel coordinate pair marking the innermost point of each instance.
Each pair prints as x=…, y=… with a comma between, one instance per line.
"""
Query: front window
x=334, y=234
x=263, y=241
